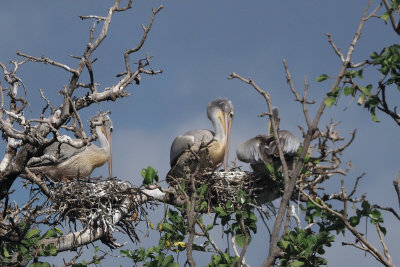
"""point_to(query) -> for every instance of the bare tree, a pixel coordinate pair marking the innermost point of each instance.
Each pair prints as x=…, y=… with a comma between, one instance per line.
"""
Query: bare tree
x=27, y=138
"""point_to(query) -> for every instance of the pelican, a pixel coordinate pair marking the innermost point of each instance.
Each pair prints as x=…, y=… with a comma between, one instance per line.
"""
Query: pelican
x=79, y=162
x=263, y=148
x=211, y=148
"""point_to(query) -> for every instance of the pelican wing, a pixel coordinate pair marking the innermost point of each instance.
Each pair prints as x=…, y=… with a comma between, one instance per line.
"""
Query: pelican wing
x=61, y=152
x=254, y=150
x=289, y=143
x=189, y=139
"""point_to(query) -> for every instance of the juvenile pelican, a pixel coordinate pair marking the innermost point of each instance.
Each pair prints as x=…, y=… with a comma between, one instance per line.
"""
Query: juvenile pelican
x=263, y=148
x=79, y=162
x=211, y=148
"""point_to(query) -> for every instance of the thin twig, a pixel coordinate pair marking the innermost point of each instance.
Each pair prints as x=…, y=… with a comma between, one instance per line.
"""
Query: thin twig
x=246, y=242
x=48, y=61
x=396, y=187
x=385, y=249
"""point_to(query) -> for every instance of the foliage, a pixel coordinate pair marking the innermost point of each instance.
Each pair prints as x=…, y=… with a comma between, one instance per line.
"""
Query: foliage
x=224, y=261
x=325, y=220
x=149, y=175
x=27, y=247
x=302, y=246
x=372, y=97
x=173, y=232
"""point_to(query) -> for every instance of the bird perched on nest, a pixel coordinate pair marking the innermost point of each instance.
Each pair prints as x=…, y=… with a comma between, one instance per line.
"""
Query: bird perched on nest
x=263, y=149
x=73, y=163
x=203, y=149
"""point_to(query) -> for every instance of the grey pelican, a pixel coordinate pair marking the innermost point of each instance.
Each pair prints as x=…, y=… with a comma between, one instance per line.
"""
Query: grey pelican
x=263, y=148
x=211, y=148
x=74, y=162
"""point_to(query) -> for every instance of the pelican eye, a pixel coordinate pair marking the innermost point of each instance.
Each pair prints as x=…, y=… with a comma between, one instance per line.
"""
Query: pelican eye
x=230, y=114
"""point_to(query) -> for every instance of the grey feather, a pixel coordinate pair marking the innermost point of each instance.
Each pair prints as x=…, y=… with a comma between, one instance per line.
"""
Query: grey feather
x=262, y=148
x=60, y=151
x=288, y=141
x=189, y=139
x=253, y=150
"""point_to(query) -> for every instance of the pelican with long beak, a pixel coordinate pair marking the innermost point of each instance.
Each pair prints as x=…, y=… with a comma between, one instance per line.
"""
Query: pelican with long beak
x=74, y=163
x=263, y=148
x=212, y=148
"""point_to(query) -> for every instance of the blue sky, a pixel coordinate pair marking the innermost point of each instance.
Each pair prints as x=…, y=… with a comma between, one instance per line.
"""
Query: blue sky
x=198, y=44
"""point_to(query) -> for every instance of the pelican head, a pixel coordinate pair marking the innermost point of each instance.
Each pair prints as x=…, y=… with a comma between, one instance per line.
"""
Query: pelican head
x=220, y=112
x=104, y=129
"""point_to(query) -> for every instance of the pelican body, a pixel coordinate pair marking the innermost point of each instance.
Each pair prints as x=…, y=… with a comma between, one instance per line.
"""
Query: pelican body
x=263, y=148
x=73, y=163
x=211, y=148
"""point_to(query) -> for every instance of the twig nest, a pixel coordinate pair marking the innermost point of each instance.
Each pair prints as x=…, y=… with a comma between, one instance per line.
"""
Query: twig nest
x=94, y=204
x=225, y=186
x=260, y=187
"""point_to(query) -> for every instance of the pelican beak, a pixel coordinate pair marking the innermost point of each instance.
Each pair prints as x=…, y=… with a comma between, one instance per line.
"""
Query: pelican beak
x=269, y=127
x=109, y=162
x=228, y=128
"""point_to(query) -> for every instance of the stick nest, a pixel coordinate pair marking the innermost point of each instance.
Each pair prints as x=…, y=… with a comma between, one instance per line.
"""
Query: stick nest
x=226, y=186
x=96, y=204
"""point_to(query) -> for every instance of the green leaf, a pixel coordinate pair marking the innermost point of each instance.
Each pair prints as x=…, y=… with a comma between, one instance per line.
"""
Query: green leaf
x=167, y=227
x=330, y=101
x=220, y=211
x=173, y=264
x=354, y=221
x=53, y=249
x=366, y=90
x=240, y=238
x=203, y=205
x=375, y=214
x=167, y=260
x=269, y=168
x=360, y=73
x=284, y=244
x=5, y=252
x=202, y=190
x=149, y=175
x=365, y=205
x=351, y=73
x=49, y=234
x=348, y=90
x=374, y=55
x=322, y=77
x=126, y=252
x=58, y=231
x=385, y=16
x=383, y=229
x=335, y=92
x=32, y=233
x=296, y=263
x=374, y=117
x=39, y=264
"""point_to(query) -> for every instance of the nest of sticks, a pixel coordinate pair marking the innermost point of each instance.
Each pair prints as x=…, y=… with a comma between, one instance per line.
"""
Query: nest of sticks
x=103, y=203
x=224, y=186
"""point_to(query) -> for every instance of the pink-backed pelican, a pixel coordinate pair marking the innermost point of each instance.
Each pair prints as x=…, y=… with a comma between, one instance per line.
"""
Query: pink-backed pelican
x=211, y=148
x=74, y=163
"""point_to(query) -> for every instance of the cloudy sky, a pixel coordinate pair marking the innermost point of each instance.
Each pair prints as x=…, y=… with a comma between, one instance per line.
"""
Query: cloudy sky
x=198, y=44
